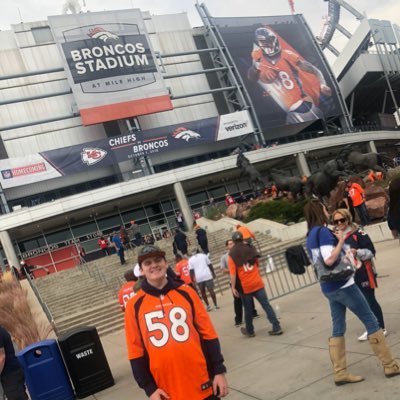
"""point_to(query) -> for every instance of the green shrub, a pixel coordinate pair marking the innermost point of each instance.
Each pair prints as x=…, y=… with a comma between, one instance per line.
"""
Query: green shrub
x=281, y=211
x=215, y=212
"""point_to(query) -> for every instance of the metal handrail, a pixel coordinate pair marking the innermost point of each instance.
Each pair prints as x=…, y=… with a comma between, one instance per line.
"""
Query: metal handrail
x=42, y=303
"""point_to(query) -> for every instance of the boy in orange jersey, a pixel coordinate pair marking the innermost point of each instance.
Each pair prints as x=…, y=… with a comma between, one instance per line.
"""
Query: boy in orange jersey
x=169, y=336
x=127, y=290
x=243, y=268
x=182, y=269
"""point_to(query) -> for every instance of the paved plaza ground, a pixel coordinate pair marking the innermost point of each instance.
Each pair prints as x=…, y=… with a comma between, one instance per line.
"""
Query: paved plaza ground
x=296, y=365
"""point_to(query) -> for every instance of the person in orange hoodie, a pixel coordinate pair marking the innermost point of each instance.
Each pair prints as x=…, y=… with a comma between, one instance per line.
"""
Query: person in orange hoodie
x=248, y=235
x=357, y=195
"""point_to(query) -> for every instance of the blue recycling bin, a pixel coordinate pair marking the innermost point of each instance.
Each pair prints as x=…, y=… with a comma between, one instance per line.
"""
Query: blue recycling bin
x=45, y=372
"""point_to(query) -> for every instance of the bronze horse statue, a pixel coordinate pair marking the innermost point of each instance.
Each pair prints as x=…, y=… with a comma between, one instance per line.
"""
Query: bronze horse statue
x=360, y=162
x=322, y=182
x=285, y=182
x=246, y=168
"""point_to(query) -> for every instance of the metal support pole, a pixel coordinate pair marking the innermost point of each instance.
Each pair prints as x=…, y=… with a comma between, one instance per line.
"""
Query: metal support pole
x=5, y=209
x=49, y=250
x=183, y=205
x=302, y=165
x=236, y=80
x=8, y=248
x=386, y=75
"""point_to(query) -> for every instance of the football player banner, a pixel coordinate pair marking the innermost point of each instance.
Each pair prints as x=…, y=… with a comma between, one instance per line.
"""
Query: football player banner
x=86, y=156
x=110, y=65
x=282, y=69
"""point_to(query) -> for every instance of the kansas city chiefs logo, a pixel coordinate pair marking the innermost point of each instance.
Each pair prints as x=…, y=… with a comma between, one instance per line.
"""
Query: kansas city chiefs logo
x=185, y=134
x=102, y=34
x=92, y=155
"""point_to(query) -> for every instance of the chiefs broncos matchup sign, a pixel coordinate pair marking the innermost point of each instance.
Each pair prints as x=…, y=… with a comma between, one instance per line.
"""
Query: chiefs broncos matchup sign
x=110, y=65
x=108, y=151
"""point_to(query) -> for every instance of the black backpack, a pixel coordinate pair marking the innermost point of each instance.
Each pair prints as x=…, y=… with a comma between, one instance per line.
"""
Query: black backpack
x=297, y=259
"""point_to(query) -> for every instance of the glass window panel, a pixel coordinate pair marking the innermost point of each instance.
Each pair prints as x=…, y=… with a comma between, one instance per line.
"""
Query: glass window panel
x=218, y=192
x=172, y=222
x=90, y=245
x=157, y=220
x=244, y=185
x=197, y=198
x=32, y=244
x=166, y=205
x=84, y=229
x=138, y=214
x=232, y=188
x=145, y=229
x=42, y=35
x=113, y=229
x=175, y=204
x=154, y=209
x=58, y=237
x=109, y=222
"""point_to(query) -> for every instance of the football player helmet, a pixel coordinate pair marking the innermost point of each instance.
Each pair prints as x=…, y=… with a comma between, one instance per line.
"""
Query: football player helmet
x=268, y=42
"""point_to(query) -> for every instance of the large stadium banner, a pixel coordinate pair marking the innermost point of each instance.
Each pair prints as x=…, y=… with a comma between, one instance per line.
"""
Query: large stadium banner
x=84, y=157
x=110, y=65
x=281, y=67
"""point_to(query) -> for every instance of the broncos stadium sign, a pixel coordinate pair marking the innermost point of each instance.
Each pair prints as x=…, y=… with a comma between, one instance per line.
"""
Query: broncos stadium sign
x=86, y=156
x=110, y=65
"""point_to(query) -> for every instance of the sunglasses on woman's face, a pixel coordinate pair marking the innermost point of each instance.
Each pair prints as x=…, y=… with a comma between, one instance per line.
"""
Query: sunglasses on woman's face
x=339, y=221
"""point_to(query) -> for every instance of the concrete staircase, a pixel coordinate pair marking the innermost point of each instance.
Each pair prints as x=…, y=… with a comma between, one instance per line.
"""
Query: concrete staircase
x=87, y=295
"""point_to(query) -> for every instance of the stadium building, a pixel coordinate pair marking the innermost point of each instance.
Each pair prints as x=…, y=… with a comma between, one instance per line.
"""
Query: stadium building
x=117, y=116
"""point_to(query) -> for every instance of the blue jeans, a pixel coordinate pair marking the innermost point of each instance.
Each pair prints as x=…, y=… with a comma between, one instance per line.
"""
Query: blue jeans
x=351, y=298
x=363, y=214
x=248, y=304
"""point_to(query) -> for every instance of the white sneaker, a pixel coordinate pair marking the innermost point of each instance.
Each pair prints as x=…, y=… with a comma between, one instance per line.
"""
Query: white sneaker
x=385, y=332
x=363, y=337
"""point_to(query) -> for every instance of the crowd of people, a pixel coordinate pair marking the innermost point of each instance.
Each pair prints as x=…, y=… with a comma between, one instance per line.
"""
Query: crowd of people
x=194, y=275
x=174, y=302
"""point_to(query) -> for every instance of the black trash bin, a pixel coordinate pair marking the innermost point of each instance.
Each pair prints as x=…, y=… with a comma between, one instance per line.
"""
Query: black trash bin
x=85, y=360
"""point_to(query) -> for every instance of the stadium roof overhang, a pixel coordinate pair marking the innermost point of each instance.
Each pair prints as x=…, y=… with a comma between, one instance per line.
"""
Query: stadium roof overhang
x=372, y=94
x=127, y=195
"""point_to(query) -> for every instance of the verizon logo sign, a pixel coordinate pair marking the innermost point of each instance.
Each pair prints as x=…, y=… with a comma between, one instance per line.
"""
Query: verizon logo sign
x=234, y=127
x=234, y=124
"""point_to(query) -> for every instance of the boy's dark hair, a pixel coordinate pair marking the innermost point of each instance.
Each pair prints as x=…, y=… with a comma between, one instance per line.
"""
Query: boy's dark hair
x=130, y=276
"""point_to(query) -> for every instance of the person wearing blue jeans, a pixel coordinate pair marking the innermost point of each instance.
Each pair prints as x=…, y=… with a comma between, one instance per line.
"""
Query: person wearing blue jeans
x=350, y=297
x=326, y=248
x=248, y=304
x=246, y=283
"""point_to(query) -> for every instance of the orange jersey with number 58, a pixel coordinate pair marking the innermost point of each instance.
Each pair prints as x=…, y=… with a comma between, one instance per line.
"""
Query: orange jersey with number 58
x=170, y=329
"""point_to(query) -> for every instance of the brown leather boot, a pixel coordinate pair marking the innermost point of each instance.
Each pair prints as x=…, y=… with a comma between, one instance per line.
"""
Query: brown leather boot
x=382, y=351
x=337, y=351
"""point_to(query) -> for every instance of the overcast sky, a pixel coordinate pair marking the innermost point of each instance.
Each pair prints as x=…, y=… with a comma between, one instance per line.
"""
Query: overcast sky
x=12, y=12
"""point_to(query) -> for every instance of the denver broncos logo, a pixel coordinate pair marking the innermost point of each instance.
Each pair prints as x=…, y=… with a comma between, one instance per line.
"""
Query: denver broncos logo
x=102, y=34
x=185, y=134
